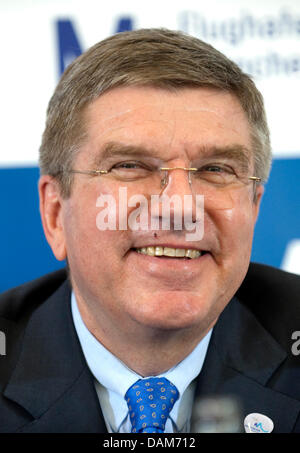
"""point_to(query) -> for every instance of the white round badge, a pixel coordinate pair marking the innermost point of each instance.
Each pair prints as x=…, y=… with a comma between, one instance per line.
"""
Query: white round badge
x=258, y=423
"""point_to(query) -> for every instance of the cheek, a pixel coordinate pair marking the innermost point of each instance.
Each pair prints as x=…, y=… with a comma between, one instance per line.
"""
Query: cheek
x=90, y=244
x=234, y=228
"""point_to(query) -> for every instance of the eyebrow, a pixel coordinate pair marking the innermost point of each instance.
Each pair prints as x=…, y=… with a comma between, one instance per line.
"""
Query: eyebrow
x=114, y=149
x=236, y=152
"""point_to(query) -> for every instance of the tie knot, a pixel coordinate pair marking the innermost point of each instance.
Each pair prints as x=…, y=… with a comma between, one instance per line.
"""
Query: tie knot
x=150, y=402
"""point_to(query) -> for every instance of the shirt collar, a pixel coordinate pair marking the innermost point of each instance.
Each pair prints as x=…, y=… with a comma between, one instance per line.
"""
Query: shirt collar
x=116, y=377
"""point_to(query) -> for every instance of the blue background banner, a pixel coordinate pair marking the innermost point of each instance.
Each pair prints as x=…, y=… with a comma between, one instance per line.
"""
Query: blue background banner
x=262, y=37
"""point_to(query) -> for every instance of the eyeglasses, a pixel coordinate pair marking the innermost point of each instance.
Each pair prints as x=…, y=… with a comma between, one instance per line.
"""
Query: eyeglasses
x=215, y=181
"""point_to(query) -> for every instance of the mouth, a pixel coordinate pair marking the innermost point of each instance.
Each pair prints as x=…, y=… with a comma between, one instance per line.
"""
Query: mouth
x=169, y=252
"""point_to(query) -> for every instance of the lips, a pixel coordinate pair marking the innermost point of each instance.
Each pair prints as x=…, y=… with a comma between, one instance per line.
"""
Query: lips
x=170, y=252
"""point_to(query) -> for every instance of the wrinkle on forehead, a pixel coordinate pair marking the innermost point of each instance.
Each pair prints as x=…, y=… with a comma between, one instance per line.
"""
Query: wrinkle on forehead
x=156, y=112
x=168, y=122
x=123, y=102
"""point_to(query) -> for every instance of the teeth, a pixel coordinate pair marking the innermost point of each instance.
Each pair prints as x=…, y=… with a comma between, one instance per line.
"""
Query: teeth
x=180, y=252
x=168, y=251
x=151, y=251
x=159, y=251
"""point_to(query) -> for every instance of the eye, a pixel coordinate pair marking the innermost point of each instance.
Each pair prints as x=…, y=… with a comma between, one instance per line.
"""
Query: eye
x=130, y=170
x=127, y=165
x=215, y=173
x=217, y=168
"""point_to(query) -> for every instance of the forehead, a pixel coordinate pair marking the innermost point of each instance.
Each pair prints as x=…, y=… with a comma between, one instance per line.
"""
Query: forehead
x=174, y=123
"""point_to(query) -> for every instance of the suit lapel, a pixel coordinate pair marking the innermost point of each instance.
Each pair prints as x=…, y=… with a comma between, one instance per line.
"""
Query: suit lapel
x=243, y=360
x=51, y=379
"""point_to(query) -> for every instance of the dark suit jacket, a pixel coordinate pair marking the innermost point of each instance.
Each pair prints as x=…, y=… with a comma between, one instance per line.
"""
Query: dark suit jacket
x=46, y=385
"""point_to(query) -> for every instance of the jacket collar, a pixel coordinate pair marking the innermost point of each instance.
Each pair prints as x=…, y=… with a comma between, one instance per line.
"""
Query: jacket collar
x=52, y=382
x=51, y=378
x=244, y=361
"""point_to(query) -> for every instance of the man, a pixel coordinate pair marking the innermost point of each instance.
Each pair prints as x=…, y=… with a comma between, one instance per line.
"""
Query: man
x=152, y=114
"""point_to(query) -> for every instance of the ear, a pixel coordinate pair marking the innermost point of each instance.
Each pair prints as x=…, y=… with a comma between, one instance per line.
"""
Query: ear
x=51, y=214
x=256, y=203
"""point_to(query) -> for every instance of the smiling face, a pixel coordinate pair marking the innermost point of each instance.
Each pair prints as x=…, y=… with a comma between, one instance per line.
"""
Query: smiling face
x=120, y=289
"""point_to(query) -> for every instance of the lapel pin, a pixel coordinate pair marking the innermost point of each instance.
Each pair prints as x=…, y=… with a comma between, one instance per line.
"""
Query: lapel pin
x=258, y=423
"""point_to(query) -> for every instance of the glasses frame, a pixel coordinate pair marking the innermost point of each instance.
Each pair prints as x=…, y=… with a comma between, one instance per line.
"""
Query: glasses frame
x=189, y=169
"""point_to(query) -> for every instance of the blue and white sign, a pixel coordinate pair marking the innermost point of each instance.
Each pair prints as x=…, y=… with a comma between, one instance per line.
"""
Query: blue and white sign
x=40, y=38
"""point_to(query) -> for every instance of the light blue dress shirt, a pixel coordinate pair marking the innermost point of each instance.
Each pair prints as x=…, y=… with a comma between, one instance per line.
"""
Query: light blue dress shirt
x=113, y=378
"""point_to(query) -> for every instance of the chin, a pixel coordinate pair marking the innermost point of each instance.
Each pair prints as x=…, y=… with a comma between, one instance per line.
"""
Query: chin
x=173, y=312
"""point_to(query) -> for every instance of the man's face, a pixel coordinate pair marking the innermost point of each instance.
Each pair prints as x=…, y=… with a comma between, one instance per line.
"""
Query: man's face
x=112, y=281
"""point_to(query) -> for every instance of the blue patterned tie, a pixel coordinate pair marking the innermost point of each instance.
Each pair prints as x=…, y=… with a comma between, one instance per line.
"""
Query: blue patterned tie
x=150, y=402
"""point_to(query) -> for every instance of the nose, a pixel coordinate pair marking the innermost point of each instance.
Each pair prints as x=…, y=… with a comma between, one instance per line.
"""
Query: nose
x=176, y=187
x=176, y=181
